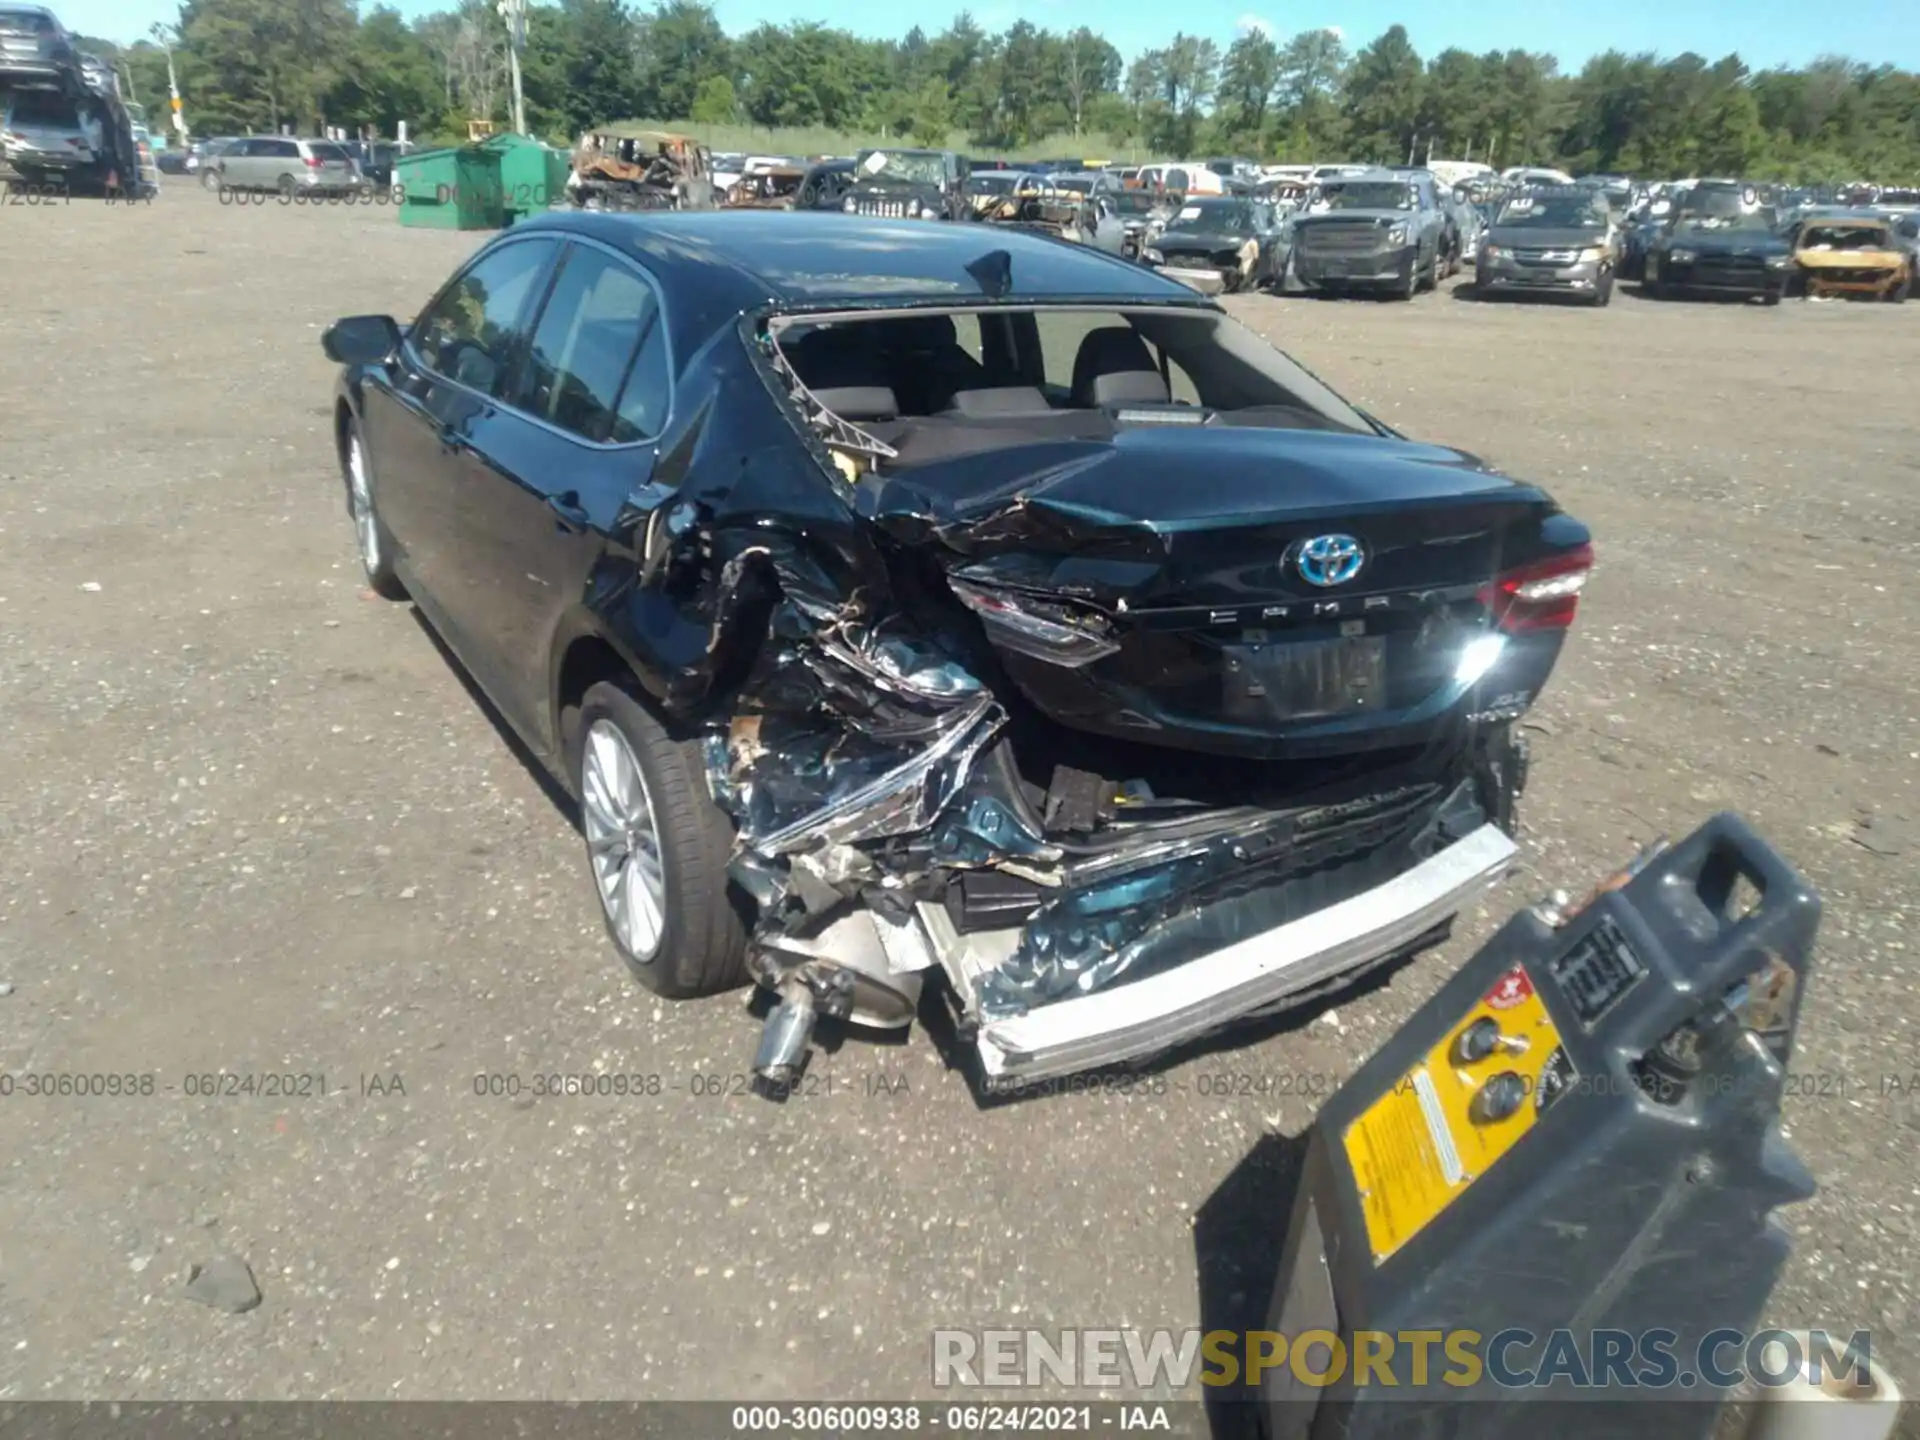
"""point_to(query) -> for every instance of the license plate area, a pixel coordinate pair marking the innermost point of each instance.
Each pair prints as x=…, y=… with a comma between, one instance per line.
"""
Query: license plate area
x=1308, y=679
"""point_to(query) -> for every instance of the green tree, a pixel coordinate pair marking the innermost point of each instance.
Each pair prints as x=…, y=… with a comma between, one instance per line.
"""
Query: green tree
x=1382, y=100
x=716, y=104
x=578, y=67
x=1312, y=66
x=1247, y=82
x=681, y=46
x=932, y=112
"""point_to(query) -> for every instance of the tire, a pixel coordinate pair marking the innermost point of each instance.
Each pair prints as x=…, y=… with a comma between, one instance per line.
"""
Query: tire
x=1603, y=290
x=371, y=536
x=1432, y=282
x=1412, y=287
x=285, y=187
x=1898, y=295
x=643, y=793
x=210, y=180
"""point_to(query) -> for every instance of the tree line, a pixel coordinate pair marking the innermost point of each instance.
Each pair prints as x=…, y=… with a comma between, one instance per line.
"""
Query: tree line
x=264, y=64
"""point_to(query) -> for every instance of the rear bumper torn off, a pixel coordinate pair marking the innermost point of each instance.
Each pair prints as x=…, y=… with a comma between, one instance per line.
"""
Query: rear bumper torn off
x=1148, y=1015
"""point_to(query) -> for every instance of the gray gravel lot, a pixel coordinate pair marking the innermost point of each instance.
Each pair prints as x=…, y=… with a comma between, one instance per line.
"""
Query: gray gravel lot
x=252, y=821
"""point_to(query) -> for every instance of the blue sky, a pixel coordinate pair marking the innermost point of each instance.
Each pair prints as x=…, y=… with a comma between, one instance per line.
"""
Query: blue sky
x=1764, y=32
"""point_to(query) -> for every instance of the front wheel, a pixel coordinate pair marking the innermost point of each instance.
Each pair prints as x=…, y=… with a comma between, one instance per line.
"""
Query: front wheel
x=1603, y=289
x=657, y=849
x=375, y=544
x=1899, y=293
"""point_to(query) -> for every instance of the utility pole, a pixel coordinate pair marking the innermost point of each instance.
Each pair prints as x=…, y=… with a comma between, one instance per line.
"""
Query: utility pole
x=173, y=82
x=515, y=14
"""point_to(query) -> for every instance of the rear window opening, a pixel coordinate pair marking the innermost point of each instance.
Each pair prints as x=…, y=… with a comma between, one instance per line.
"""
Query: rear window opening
x=895, y=390
x=43, y=107
x=326, y=151
x=1845, y=237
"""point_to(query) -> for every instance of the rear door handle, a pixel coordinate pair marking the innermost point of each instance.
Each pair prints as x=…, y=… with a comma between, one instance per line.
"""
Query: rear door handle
x=568, y=510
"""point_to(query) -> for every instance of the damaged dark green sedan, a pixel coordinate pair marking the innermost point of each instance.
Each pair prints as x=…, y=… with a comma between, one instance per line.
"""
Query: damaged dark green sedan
x=916, y=606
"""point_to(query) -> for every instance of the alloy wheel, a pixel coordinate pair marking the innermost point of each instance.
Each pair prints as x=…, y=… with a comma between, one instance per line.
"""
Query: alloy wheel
x=623, y=840
x=366, y=524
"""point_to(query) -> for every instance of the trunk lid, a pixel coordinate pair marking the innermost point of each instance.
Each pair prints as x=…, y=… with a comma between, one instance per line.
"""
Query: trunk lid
x=1239, y=589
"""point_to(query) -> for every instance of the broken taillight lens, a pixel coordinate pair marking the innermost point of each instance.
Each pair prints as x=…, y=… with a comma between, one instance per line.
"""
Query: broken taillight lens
x=1039, y=628
x=1540, y=595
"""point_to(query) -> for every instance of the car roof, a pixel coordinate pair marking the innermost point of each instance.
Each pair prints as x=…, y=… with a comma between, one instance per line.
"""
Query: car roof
x=720, y=263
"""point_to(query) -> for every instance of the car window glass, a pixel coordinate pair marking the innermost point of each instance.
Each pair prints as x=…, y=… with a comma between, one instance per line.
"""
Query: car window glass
x=470, y=332
x=649, y=389
x=287, y=149
x=966, y=333
x=1060, y=335
x=598, y=313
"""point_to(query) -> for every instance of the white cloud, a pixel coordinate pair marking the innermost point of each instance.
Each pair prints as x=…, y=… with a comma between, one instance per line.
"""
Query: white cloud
x=1336, y=32
x=1250, y=22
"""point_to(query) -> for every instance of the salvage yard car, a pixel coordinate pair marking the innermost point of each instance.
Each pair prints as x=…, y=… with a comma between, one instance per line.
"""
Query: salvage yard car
x=1373, y=231
x=1837, y=253
x=1719, y=239
x=35, y=47
x=909, y=601
x=621, y=167
x=909, y=185
x=1549, y=241
x=1216, y=244
x=45, y=138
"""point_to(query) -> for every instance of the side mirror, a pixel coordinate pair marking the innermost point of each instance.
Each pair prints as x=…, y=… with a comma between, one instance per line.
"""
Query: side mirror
x=361, y=340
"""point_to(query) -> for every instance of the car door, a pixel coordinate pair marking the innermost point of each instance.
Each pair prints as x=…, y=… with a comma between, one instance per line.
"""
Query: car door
x=282, y=164
x=236, y=166
x=422, y=413
x=552, y=476
x=245, y=164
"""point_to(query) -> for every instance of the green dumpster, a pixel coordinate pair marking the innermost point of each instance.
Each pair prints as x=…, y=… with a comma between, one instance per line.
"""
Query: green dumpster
x=456, y=188
x=533, y=176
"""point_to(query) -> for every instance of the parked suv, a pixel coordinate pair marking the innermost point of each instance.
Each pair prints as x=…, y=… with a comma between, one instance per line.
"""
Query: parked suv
x=44, y=138
x=1376, y=231
x=908, y=185
x=286, y=164
x=34, y=45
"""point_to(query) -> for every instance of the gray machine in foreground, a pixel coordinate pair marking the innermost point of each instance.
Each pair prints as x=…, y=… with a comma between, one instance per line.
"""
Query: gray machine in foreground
x=1578, y=1133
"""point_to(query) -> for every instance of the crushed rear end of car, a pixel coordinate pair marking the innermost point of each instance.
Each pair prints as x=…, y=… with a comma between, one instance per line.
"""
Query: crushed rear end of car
x=1124, y=717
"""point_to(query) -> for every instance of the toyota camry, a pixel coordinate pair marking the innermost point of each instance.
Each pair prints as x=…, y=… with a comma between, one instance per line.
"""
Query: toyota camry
x=922, y=607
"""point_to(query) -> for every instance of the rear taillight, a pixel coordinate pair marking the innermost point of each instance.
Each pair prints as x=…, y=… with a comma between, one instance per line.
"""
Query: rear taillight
x=313, y=162
x=1540, y=595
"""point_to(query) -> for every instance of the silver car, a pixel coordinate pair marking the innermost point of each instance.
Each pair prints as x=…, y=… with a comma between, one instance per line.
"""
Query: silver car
x=33, y=44
x=44, y=137
x=285, y=164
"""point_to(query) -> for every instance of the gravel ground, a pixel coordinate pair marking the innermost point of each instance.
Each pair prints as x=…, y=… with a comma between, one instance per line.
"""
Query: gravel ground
x=256, y=823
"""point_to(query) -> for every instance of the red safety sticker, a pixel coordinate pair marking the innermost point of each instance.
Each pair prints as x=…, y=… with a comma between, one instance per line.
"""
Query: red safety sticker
x=1511, y=989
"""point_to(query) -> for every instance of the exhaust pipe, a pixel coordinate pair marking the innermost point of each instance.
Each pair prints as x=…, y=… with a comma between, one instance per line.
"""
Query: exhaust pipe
x=783, y=1044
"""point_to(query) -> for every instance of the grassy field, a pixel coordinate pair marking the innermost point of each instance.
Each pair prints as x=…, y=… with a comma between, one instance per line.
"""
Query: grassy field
x=815, y=140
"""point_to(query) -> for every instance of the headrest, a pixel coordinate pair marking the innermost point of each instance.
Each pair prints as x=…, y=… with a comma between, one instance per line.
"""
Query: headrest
x=999, y=400
x=860, y=402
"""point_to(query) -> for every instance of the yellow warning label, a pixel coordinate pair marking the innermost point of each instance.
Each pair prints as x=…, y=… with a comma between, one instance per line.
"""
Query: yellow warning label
x=1420, y=1145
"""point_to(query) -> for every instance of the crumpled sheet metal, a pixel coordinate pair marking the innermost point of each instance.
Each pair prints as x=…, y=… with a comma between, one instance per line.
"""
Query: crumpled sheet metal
x=802, y=789
x=1166, y=910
